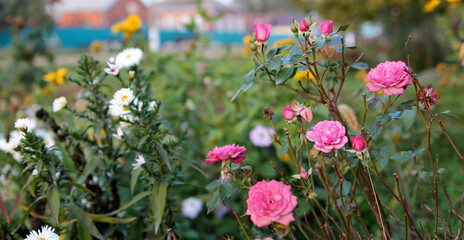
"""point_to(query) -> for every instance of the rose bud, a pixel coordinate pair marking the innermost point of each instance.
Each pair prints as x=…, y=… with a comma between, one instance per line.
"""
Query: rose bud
x=288, y=113
x=358, y=143
x=327, y=27
x=304, y=26
x=306, y=114
x=262, y=32
x=304, y=174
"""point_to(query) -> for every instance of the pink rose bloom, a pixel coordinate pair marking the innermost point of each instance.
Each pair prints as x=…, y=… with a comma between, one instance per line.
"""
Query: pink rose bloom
x=327, y=27
x=327, y=135
x=304, y=26
x=288, y=113
x=262, y=32
x=233, y=152
x=358, y=143
x=270, y=202
x=389, y=76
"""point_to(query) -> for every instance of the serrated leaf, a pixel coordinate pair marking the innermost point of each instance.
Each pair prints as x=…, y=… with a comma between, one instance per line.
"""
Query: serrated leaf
x=85, y=220
x=372, y=104
x=243, y=88
x=296, y=51
x=284, y=74
x=395, y=115
x=283, y=149
x=402, y=156
x=134, y=177
x=158, y=202
x=319, y=43
x=274, y=64
x=213, y=185
x=375, y=130
x=406, y=105
x=212, y=201
x=383, y=162
x=53, y=202
x=250, y=76
x=360, y=65
x=385, y=151
x=134, y=199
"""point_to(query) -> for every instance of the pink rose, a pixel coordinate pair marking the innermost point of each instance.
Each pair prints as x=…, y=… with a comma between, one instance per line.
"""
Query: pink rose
x=262, y=32
x=358, y=143
x=288, y=113
x=270, y=202
x=306, y=114
x=233, y=152
x=327, y=27
x=304, y=174
x=389, y=76
x=304, y=26
x=327, y=135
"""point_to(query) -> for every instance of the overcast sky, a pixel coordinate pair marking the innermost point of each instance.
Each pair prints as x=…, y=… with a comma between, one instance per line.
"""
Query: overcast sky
x=151, y=1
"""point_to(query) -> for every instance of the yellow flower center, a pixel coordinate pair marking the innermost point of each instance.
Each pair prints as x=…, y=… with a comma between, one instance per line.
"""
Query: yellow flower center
x=128, y=56
x=124, y=98
x=41, y=238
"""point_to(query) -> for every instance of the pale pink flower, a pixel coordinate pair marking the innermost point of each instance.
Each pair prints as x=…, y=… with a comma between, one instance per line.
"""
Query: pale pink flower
x=304, y=26
x=358, y=143
x=112, y=69
x=327, y=27
x=304, y=174
x=233, y=152
x=270, y=202
x=262, y=32
x=327, y=135
x=261, y=136
x=306, y=114
x=389, y=76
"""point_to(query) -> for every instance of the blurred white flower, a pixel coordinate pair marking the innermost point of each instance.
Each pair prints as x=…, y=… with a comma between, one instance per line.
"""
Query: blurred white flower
x=123, y=96
x=261, y=136
x=46, y=233
x=35, y=172
x=59, y=103
x=112, y=69
x=191, y=207
x=129, y=57
x=47, y=137
x=140, y=160
x=25, y=124
x=119, y=133
x=116, y=109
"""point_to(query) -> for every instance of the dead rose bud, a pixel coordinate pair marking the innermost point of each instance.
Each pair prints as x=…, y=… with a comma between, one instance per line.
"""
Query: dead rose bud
x=267, y=113
x=430, y=98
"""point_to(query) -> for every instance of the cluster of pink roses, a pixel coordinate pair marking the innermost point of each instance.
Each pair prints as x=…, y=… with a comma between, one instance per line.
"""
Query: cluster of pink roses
x=262, y=31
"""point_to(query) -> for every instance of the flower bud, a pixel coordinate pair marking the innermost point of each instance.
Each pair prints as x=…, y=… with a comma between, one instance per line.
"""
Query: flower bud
x=304, y=175
x=253, y=47
x=294, y=26
x=304, y=26
x=306, y=114
x=262, y=32
x=289, y=113
x=327, y=27
x=358, y=143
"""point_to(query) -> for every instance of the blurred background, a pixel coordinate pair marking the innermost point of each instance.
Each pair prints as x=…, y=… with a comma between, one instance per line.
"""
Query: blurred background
x=199, y=54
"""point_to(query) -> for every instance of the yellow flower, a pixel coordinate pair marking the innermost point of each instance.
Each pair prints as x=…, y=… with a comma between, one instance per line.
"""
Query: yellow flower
x=56, y=78
x=117, y=27
x=96, y=46
x=431, y=5
x=133, y=22
x=283, y=158
x=282, y=42
x=302, y=76
x=454, y=3
x=246, y=46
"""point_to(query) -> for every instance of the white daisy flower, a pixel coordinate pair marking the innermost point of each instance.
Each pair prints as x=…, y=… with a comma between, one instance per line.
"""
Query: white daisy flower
x=129, y=57
x=25, y=124
x=15, y=140
x=191, y=207
x=59, y=103
x=117, y=109
x=46, y=233
x=112, y=69
x=123, y=96
x=47, y=137
x=140, y=160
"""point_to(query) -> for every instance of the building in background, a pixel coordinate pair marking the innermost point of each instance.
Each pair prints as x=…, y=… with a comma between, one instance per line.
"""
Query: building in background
x=96, y=13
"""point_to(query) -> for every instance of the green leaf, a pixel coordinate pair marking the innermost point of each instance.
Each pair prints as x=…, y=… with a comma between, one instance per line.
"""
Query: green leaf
x=158, y=202
x=375, y=130
x=134, y=178
x=212, y=201
x=213, y=185
x=383, y=162
x=273, y=64
x=250, y=76
x=395, y=115
x=283, y=149
x=53, y=202
x=406, y=105
x=135, y=199
x=360, y=65
x=243, y=88
x=84, y=219
x=319, y=43
x=402, y=156
x=346, y=187
x=340, y=29
x=164, y=156
x=385, y=151
x=284, y=74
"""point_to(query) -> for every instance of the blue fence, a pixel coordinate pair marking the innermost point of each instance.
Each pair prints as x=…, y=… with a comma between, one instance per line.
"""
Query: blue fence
x=73, y=38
